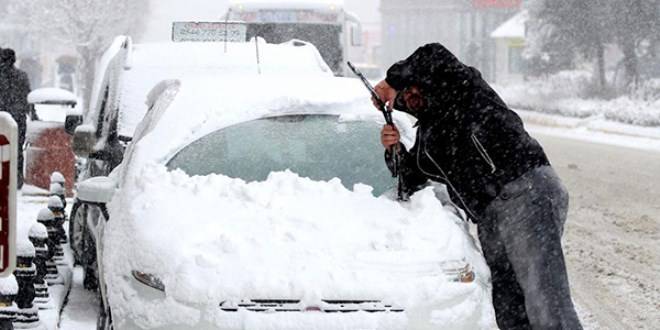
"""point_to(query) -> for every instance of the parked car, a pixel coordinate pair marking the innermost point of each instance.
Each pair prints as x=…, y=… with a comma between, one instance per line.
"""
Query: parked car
x=264, y=203
x=125, y=75
x=48, y=146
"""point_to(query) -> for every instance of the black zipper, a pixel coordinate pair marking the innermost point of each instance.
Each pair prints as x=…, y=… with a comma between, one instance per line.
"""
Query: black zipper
x=484, y=154
x=444, y=178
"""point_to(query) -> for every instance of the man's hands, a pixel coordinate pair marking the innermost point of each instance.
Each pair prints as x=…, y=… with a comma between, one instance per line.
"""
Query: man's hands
x=389, y=136
x=386, y=93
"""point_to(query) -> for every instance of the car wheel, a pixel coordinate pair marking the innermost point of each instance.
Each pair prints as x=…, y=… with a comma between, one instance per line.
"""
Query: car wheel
x=104, y=321
x=76, y=230
x=89, y=262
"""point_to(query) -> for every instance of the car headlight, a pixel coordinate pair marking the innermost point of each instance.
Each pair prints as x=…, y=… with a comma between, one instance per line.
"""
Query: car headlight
x=149, y=280
x=458, y=271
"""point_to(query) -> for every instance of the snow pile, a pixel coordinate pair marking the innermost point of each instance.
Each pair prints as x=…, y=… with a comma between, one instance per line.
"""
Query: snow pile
x=52, y=95
x=513, y=28
x=39, y=231
x=152, y=63
x=57, y=177
x=97, y=189
x=212, y=239
x=24, y=248
x=561, y=94
x=330, y=5
x=55, y=202
x=45, y=215
x=8, y=285
x=220, y=102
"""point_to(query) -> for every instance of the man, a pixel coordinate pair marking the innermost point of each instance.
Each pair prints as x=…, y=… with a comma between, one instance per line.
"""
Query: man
x=14, y=89
x=472, y=142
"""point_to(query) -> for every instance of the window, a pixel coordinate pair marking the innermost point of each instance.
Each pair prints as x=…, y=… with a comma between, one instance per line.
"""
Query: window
x=356, y=34
x=516, y=61
x=320, y=147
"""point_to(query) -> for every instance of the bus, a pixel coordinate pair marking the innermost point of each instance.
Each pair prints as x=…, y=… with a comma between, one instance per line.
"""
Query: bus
x=336, y=32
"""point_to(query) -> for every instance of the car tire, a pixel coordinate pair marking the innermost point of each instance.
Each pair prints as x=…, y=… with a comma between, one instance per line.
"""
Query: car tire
x=104, y=321
x=76, y=231
x=89, y=262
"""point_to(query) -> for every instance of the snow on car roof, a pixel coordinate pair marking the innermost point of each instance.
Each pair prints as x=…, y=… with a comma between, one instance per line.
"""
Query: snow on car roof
x=206, y=103
x=286, y=4
x=50, y=94
x=152, y=63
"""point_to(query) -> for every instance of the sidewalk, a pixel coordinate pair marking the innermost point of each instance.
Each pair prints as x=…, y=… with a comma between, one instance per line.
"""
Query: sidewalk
x=594, y=129
x=27, y=210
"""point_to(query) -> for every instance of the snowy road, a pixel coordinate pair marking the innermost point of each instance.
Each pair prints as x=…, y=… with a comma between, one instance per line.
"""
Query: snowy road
x=612, y=238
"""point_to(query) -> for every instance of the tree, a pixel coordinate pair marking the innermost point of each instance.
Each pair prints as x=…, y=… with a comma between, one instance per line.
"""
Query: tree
x=86, y=25
x=568, y=28
x=636, y=23
x=562, y=29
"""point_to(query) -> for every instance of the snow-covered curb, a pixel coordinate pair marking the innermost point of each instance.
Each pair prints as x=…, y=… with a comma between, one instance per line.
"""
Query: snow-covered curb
x=594, y=123
x=594, y=129
x=568, y=93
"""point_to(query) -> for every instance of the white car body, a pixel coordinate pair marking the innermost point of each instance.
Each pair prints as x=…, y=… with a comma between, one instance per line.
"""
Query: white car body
x=211, y=242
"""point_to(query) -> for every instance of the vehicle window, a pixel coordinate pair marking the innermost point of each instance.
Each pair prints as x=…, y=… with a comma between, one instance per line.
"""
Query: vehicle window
x=315, y=146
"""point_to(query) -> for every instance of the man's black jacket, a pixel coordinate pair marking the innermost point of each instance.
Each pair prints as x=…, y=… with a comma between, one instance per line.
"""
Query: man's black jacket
x=467, y=137
x=14, y=89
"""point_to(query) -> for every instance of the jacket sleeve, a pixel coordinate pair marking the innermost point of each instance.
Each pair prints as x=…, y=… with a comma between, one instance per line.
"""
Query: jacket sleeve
x=413, y=179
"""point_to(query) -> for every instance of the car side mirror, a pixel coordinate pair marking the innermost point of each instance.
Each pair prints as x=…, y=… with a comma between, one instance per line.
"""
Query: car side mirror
x=72, y=121
x=96, y=190
x=84, y=140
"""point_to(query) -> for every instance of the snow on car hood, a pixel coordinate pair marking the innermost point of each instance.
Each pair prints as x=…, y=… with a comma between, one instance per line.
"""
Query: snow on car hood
x=214, y=238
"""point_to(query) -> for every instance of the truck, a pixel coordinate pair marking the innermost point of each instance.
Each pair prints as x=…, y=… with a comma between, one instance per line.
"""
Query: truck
x=336, y=32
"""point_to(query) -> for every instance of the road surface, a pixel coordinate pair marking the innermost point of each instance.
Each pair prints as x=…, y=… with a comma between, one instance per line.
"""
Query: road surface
x=612, y=236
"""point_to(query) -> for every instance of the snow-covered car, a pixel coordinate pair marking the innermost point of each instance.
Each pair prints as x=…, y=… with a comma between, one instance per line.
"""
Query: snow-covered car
x=265, y=203
x=48, y=146
x=127, y=72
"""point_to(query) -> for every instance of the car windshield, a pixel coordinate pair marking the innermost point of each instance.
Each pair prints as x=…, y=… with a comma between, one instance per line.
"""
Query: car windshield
x=320, y=147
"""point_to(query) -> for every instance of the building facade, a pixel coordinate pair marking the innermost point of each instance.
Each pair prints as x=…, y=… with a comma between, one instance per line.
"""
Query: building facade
x=463, y=26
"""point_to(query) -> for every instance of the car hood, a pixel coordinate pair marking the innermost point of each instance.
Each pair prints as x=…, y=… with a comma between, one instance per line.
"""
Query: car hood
x=214, y=238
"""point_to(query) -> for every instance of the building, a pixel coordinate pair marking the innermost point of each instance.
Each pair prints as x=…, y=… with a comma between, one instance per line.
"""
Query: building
x=463, y=26
x=509, y=46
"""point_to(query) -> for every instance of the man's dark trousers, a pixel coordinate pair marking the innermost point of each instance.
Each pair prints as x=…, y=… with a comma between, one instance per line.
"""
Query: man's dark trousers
x=521, y=240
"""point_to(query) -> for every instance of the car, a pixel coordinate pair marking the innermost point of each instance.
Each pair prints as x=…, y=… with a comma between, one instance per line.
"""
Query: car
x=48, y=146
x=264, y=203
x=127, y=72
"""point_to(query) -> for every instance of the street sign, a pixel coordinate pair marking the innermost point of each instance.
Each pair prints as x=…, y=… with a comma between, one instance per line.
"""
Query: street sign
x=209, y=31
x=8, y=158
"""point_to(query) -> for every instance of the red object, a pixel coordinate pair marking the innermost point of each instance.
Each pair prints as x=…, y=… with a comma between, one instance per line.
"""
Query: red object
x=4, y=206
x=487, y=4
x=50, y=151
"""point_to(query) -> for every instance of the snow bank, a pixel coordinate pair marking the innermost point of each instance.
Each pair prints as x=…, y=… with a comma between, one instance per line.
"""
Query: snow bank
x=561, y=94
x=211, y=239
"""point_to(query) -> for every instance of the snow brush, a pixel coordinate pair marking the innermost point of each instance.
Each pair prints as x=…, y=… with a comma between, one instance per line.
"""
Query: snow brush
x=401, y=193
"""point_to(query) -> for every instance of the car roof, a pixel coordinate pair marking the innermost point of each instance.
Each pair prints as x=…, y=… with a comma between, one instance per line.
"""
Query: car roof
x=196, y=106
x=286, y=4
x=149, y=64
